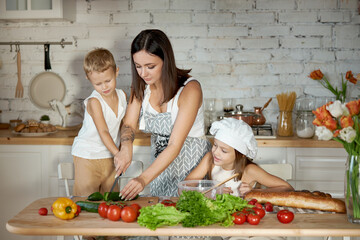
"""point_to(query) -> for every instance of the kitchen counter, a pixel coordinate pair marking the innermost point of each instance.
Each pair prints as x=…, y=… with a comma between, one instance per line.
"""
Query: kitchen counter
x=29, y=222
x=142, y=139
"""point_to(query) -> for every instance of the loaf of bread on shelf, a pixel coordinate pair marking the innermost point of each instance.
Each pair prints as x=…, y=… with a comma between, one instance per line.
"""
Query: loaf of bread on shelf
x=300, y=199
x=19, y=127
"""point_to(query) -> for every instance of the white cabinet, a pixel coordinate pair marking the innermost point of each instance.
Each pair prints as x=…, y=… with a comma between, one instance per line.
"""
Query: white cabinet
x=320, y=169
x=23, y=179
x=38, y=9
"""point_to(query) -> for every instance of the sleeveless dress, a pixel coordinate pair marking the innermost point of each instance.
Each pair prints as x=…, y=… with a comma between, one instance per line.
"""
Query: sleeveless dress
x=160, y=126
x=219, y=174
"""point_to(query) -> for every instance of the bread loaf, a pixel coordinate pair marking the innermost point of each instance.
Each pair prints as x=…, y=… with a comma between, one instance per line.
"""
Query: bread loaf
x=300, y=199
x=19, y=127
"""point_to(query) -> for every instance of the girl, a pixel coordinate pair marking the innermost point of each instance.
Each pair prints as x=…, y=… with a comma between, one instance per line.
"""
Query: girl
x=232, y=152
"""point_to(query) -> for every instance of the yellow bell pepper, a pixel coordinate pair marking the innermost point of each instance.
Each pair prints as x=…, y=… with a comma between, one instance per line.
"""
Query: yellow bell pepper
x=64, y=208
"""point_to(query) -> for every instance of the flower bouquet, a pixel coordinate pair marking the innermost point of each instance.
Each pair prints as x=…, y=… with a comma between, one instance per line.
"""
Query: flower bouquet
x=340, y=121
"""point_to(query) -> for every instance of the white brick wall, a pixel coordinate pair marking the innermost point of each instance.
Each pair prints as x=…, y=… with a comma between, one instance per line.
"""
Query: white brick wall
x=247, y=49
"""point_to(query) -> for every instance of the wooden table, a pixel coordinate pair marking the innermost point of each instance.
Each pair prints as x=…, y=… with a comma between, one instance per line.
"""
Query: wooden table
x=29, y=222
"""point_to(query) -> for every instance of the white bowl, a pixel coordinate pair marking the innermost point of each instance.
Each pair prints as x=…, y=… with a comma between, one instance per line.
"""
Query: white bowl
x=201, y=186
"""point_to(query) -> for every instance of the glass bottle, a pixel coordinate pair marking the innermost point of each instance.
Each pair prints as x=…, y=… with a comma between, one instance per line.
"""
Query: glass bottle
x=304, y=126
x=285, y=125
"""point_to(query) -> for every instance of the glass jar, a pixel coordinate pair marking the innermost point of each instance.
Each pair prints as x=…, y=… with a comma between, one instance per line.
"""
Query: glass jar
x=304, y=126
x=285, y=125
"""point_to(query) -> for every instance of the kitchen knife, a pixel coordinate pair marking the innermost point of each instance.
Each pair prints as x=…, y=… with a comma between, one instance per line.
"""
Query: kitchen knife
x=116, y=180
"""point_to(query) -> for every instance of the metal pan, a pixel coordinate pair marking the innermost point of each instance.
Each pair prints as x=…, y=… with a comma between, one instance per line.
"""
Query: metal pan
x=46, y=85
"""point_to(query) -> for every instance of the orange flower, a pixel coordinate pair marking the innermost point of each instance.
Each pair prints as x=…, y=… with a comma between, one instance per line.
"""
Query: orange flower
x=324, y=118
x=316, y=75
x=336, y=133
x=354, y=107
x=350, y=77
x=346, y=121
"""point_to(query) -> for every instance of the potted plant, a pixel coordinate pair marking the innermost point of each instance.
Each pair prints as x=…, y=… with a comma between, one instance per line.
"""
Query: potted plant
x=45, y=119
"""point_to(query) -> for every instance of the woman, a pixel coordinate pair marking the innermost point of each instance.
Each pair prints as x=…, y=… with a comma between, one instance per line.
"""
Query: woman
x=169, y=104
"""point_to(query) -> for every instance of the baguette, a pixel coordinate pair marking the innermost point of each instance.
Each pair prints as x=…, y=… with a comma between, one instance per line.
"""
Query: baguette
x=300, y=199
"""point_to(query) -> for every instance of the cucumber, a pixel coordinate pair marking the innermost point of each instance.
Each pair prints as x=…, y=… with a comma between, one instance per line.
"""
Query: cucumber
x=96, y=196
x=88, y=206
x=112, y=196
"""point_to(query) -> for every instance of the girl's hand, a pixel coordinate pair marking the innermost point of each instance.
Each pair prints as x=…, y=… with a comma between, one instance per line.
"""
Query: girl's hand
x=244, y=188
x=132, y=188
x=227, y=190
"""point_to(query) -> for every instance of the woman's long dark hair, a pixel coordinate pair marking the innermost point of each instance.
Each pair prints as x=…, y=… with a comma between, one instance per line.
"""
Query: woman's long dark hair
x=241, y=161
x=156, y=42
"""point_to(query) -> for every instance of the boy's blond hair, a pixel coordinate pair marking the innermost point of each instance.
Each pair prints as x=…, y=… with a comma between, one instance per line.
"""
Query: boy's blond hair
x=99, y=60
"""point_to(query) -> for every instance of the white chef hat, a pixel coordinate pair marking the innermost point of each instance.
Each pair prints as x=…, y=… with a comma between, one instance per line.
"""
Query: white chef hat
x=237, y=134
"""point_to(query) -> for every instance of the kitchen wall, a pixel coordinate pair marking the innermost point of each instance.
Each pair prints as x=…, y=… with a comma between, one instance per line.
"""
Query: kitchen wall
x=246, y=49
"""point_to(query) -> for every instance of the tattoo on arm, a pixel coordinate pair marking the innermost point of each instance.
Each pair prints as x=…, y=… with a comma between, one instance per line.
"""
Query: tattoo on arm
x=127, y=134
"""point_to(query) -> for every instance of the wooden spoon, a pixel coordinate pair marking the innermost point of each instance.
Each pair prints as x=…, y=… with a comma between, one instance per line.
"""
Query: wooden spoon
x=221, y=183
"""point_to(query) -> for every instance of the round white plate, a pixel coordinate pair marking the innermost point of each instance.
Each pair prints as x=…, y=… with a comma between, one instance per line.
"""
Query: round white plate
x=33, y=134
x=45, y=87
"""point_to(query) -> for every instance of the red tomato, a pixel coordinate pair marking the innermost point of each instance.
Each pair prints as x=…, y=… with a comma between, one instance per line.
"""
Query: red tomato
x=168, y=203
x=136, y=207
x=239, y=217
x=247, y=211
x=252, y=201
x=114, y=213
x=78, y=210
x=285, y=216
x=259, y=211
x=269, y=207
x=103, y=209
x=128, y=214
x=253, y=219
x=43, y=211
x=258, y=205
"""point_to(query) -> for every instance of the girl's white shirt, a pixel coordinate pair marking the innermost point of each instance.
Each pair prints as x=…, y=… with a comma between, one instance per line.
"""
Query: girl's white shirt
x=88, y=143
x=219, y=174
x=198, y=128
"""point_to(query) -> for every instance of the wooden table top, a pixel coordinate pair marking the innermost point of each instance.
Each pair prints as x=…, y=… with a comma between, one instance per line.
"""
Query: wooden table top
x=142, y=139
x=29, y=222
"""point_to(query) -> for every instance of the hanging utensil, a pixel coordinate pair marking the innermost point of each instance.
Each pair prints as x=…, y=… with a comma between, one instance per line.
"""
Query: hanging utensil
x=221, y=183
x=46, y=85
x=19, y=90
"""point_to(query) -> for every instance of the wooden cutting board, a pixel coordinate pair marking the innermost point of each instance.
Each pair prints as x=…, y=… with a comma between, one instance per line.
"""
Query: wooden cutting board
x=142, y=201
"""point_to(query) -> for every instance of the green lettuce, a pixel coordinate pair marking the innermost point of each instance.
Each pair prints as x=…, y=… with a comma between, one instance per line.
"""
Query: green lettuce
x=158, y=215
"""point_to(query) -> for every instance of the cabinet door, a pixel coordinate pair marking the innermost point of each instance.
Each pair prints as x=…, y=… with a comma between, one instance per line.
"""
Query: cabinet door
x=21, y=183
x=320, y=169
x=37, y=9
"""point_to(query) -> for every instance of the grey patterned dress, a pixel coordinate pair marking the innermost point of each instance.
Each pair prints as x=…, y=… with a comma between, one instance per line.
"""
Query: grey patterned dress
x=190, y=155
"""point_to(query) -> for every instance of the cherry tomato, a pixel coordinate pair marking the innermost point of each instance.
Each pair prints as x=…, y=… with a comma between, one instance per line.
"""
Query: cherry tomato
x=78, y=211
x=128, y=214
x=103, y=209
x=114, y=213
x=239, y=217
x=253, y=219
x=43, y=211
x=247, y=211
x=285, y=216
x=259, y=211
x=168, y=203
x=269, y=207
x=258, y=205
x=136, y=207
x=252, y=201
